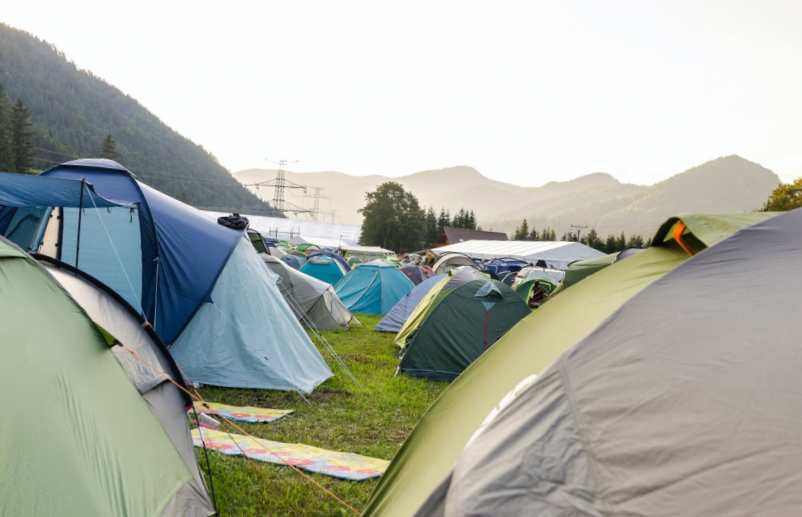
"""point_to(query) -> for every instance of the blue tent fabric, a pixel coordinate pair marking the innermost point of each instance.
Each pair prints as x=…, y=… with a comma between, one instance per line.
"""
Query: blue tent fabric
x=336, y=256
x=263, y=360
x=323, y=268
x=373, y=288
x=293, y=261
x=398, y=315
x=25, y=190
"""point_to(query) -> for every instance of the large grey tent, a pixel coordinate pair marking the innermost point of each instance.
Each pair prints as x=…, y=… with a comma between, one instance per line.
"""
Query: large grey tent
x=686, y=401
x=313, y=301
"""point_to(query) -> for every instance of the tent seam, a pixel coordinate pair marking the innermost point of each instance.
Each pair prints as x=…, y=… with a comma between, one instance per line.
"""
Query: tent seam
x=562, y=368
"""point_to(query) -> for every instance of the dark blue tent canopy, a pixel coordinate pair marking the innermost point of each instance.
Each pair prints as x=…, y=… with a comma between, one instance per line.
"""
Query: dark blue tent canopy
x=181, y=253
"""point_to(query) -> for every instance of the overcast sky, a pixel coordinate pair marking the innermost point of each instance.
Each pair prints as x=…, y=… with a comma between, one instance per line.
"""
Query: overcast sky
x=526, y=92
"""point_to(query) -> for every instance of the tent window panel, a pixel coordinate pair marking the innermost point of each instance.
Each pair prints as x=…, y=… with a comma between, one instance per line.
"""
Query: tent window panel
x=25, y=226
x=97, y=257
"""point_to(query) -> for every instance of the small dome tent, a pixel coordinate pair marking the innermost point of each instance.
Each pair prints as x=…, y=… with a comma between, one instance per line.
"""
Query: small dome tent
x=323, y=267
x=373, y=287
x=70, y=387
x=314, y=302
x=202, y=286
x=461, y=322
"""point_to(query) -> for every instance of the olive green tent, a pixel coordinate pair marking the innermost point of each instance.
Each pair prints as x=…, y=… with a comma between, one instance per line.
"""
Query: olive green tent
x=461, y=324
x=87, y=429
x=533, y=344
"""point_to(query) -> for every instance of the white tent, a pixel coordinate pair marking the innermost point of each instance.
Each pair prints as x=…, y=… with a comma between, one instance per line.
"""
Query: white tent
x=557, y=254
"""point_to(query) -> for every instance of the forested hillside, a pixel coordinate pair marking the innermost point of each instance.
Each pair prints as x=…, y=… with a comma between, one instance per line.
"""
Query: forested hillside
x=72, y=112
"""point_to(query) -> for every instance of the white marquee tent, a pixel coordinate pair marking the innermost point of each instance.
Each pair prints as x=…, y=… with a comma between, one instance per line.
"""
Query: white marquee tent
x=557, y=254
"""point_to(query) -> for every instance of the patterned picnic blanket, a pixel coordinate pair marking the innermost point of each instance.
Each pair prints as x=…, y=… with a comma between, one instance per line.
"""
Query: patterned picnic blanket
x=343, y=465
x=247, y=414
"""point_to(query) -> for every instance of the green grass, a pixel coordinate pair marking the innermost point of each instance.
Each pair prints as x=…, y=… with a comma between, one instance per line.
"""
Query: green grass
x=372, y=418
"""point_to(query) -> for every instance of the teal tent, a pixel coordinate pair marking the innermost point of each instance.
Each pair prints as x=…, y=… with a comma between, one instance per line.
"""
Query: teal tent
x=373, y=288
x=324, y=268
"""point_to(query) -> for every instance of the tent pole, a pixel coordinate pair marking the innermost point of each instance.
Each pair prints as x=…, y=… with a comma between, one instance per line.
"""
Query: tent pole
x=80, y=216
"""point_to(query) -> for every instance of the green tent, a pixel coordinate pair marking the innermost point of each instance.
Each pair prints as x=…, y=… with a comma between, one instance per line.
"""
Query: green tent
x=461, y=324
x=85, y=431
x=534, y=343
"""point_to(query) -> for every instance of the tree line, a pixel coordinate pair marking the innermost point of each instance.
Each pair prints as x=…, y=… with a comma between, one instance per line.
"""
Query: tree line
x=610, y=244
x=394, y=219
x=16, y=135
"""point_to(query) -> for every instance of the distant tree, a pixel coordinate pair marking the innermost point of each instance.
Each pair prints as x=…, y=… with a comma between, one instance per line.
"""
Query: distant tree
x=786, y=196
x=548, y=234
x=533, y=235
x=21, y=137
x=609, y=244
x=471, y=220
x=392, y=219
x=636, y=241
x=432, y=233
x=109, y=149
x=592, y=239
x=443, y=220
x=6, y=158
x=621, y=242
x=522, y=232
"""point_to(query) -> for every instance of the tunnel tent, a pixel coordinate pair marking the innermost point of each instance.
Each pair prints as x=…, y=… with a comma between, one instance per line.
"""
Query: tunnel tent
x=462, y=324
x=69, y=389
x=394, y=320
x=313, y=301
x=722, y=434
x=201, y=285
x=437, y=441
x=323, y=267
x=373, y=287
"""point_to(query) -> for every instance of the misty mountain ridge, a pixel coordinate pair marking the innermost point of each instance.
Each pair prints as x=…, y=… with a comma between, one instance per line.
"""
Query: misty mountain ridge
x=73, y=110
x=597, y=200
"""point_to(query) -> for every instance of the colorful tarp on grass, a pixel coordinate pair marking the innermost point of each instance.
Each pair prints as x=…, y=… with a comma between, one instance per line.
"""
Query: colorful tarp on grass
x=343, y=465
x=247, y=414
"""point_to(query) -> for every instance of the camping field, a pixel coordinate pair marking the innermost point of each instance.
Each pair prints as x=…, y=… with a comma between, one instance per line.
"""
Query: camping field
x=370, y=417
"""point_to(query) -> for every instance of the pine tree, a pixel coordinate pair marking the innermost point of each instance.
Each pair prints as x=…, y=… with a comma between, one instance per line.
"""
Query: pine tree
x=432, y=233
x=533, y=235
x=5, y=129
x=522, y=232
x=610, y=244
x=21, y=137
x=109, y=149
x=472, y=220
x=636, y=241
x=442, y=221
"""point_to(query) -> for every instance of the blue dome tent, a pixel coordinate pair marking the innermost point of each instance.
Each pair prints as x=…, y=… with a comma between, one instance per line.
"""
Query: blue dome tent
x=323, y=268
x=336, y=256
x=373, y=287
x=201, y=286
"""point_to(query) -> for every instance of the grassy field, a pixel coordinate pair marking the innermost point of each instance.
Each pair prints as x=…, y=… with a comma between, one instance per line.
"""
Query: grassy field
x=371, y=417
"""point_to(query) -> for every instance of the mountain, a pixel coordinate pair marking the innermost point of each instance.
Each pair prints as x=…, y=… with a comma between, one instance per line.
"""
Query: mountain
x=72, y=112
x=598, y=200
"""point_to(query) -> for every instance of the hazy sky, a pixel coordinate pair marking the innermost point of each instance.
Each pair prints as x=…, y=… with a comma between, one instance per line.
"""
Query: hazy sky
x=526, y=92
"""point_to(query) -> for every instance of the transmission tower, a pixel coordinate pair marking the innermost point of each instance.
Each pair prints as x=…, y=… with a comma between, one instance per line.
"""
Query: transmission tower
x=280, y=184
